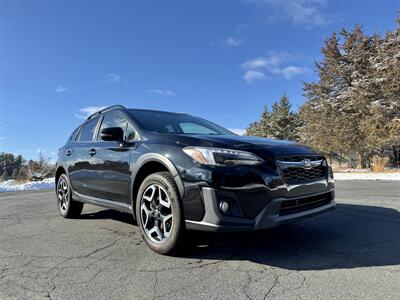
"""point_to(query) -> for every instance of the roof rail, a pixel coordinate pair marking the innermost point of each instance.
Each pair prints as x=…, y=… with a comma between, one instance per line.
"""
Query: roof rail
x=104, y=110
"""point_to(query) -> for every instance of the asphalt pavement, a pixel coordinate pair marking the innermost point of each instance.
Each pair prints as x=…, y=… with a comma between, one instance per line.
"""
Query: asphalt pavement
x=351, y=253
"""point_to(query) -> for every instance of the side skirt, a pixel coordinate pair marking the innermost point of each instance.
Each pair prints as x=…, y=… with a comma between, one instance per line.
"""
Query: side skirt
x=102, y=202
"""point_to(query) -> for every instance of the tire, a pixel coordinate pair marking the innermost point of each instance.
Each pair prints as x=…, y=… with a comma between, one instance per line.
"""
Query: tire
x=67, y=207
x=162, y=227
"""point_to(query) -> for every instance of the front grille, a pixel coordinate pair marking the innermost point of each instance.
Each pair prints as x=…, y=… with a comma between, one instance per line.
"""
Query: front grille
x=298, y=205
x=298, y=175
x=293, y=171
x=299, y=158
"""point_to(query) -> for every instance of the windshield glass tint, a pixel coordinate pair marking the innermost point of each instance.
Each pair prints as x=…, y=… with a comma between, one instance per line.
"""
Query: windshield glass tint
x=165, y=122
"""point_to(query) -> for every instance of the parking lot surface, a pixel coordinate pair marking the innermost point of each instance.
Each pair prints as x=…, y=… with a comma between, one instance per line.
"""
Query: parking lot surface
x=351, y=253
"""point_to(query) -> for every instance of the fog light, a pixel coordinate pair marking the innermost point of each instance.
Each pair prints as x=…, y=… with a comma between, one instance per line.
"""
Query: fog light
x=224, y=206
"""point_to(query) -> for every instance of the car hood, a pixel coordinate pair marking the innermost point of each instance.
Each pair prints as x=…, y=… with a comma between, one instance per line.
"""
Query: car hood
x=260, y=146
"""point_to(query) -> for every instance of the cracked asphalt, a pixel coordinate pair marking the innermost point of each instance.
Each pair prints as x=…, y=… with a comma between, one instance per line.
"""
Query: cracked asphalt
x=352, y=253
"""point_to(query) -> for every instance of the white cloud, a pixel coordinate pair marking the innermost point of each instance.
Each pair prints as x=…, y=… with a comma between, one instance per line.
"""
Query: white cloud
x=231, y=42
x=84, y=112
x=238, y=131
x=273, y=63
x=271, y=60
x=61, y=89
x=235, y=39
x=113, y=78
x=255, y=63
x=305, y=13
x=250, y=76
x=290, y=71
x=162, y=92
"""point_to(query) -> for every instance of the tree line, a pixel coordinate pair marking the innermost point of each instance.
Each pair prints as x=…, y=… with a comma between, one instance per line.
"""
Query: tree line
x=353, y=110
x=16, y=167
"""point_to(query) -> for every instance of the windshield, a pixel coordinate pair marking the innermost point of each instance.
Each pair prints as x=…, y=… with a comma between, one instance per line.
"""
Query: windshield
x=166, y=122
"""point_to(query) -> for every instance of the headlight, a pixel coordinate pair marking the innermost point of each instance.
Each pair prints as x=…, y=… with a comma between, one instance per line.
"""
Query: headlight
x=330, y=172
x=222, y=157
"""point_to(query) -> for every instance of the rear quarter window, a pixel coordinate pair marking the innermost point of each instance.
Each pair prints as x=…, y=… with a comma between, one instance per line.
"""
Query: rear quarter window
x=87, y=131
x=73, y=135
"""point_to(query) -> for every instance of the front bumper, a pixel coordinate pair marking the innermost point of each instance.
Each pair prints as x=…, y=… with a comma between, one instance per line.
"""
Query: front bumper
x=278, y=211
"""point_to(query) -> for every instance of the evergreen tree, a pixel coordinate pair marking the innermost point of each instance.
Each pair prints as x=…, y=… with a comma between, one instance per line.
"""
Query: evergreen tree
x=261, y=128
x=354, y=106
x=284, y=122
x=353, y=110
x=253, y=129
x=265, y=123
x=5, y=176
x=281, y=123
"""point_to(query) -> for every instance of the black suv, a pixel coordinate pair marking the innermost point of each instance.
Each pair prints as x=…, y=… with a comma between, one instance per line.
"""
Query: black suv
x=175, y=172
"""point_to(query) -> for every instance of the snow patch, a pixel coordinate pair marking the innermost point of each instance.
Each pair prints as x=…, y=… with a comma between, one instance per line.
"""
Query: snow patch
x=367, y=176
x=12, y=186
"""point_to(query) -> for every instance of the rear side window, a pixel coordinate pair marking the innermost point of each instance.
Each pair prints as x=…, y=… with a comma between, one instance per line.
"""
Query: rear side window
x=87, y=131
x=72, y=137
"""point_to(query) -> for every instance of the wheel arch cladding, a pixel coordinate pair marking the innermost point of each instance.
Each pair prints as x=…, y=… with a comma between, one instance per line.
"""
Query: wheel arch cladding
x=59, y=171
x=152, y=163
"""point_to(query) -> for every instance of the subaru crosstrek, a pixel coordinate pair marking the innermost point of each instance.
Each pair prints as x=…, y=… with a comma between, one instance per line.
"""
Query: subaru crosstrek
x=174, y=172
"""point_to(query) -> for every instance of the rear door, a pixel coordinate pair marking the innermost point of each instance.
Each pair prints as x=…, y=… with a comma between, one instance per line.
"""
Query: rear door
x=109, y=161
x=79, y=152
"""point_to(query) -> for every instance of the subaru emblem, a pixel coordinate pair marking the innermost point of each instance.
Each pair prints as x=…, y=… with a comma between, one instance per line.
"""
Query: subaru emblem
x=306, y=163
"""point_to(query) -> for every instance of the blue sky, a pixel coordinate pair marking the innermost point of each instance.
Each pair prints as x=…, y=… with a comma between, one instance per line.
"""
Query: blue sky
x=222, y=60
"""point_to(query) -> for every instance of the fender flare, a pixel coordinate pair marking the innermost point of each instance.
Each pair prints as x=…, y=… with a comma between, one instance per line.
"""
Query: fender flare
x=61, y=165
x=156, y=157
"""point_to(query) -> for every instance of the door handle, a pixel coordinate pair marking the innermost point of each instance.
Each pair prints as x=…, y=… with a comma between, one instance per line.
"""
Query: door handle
x=68, y=152
x=92, y=152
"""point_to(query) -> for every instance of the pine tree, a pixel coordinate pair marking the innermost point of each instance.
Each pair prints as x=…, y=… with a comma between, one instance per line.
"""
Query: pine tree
x=5, y=176
x=354, y=100
x=265, y=123
x=253, y=129
x=261, y=128
x=387, y=78
x=281, y=123
x=353, y=110
x=284, y=122
x=319, y=113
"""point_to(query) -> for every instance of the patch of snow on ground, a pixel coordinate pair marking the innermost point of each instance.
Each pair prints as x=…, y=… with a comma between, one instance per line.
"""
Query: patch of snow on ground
x=12, y=186
x=367, y=176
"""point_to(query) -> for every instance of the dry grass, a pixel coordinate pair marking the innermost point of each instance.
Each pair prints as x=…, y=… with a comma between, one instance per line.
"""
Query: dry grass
x=379, y=163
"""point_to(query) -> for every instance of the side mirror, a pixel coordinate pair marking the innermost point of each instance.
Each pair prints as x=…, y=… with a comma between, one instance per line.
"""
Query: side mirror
x=112, y=134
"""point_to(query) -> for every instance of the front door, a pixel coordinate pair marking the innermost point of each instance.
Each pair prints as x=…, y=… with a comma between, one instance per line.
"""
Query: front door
x=109, y=162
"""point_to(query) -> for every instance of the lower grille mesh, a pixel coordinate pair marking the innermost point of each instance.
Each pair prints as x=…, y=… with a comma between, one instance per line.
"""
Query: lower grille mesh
x=303, y=204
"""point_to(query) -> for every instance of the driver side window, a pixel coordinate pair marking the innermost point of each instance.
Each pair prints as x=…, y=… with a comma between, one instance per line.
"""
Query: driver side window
x=114, y=119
